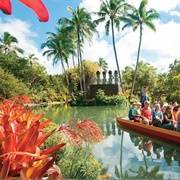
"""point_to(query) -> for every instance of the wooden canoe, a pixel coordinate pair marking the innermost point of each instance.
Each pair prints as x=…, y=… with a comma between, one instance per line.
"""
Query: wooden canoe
x=155, y=132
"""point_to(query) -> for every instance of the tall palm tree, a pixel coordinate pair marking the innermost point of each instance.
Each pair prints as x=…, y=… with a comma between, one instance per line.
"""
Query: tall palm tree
x=138, y=18
x=7, y=43
x=82, y=25
x=58, y=47
x=111, y=12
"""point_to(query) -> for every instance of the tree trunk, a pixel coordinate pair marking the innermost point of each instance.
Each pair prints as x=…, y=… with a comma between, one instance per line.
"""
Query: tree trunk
x=114, y=47
x=79, y=62
x=73, y=60
x=67, y=79
x=83, y=75
x=137, y=62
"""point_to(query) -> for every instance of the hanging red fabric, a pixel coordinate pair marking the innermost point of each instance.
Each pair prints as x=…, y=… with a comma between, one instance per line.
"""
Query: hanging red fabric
x=36, y=5
x=5, y=6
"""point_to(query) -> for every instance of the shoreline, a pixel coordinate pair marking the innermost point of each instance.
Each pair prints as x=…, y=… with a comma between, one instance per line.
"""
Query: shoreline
x=32, y=105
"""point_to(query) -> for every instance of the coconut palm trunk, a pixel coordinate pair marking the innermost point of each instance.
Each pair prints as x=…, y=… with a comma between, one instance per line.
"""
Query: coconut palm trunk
x=114, y=47
x=73, y=60
x=79, y=63
x=63, y=68
x=137, y=62
x=83, y=75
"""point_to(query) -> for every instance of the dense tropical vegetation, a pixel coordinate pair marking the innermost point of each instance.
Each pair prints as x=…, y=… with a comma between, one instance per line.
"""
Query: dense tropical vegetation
x=33, y=147
x=27, y=150
x=22, y=74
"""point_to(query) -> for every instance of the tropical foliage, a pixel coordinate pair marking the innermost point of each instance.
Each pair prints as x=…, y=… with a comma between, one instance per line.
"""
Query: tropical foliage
x=103, y=65
x=82, y=26
x=76, y=160
x=102, y=99
x=8, y=43
x=11, y=86
x=22, y=138
x=146, y=76
x=28, y=153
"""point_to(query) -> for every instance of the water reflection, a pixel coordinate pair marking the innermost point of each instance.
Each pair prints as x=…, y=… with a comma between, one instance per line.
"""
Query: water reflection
x=130, y=156
x=125, y=155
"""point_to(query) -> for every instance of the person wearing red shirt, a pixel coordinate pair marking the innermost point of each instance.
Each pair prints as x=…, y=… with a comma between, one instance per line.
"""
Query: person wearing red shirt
x=146, y=113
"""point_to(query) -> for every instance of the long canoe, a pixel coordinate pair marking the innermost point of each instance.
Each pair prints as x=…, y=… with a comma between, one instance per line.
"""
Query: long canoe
x=155, y=132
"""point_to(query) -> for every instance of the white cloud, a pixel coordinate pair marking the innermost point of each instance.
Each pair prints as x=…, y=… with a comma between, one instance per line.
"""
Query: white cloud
x=21, y=30
x=175, y=13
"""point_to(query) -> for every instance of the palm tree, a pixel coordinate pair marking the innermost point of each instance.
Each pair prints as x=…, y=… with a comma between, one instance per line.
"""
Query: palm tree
x=7, y=43
x=111, y=12
x=102, y=64
x=31, y=59
x=58, y=47
x=138, y=18
x=81, y=25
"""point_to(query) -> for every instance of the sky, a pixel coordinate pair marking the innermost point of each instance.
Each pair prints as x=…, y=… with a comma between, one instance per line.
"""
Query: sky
x=159, y=48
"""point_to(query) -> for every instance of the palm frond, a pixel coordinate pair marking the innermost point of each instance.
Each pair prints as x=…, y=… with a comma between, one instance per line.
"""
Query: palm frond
x=152, y=16
x=117, y=23
x=150, y=25
x=127, y=25
x=142, y=8
x=107, y=27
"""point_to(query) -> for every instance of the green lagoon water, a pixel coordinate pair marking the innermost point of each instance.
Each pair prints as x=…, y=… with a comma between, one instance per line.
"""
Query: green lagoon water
x=124, y=155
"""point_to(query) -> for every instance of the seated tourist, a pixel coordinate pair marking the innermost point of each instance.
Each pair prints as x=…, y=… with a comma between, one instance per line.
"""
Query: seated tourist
x=168, y=121
x=131, y=112
x=146, y=113
x=154, y=104
x=157, y=116
x=137, y=113
x=174, y=104
x=175, y=112
x=163, y=109
x=178, y=123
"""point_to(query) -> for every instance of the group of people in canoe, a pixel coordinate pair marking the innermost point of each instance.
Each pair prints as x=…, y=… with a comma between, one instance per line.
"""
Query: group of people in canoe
x=167, y=116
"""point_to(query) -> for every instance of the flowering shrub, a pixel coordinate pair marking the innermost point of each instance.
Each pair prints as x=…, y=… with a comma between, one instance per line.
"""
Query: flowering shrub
x=23, y=149
x=21, y=140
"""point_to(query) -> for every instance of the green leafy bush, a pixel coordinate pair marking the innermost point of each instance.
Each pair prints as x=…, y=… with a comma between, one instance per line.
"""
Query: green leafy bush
x=102, y=99
x=80, y=100
x=10, y=86
x=79, y=163
x=76, y=160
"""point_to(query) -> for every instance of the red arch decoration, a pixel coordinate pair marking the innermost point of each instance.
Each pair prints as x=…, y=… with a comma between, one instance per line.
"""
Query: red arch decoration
x=36, y=5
